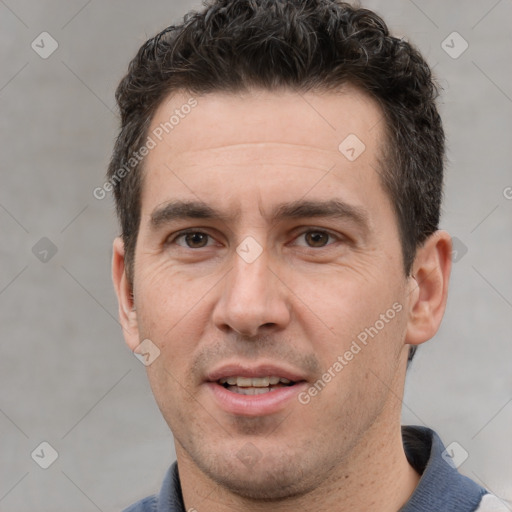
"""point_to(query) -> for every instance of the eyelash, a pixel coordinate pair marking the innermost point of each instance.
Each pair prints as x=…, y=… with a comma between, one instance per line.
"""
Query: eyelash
x=182, y=234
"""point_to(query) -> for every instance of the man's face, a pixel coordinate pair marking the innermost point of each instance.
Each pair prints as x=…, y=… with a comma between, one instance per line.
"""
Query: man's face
x=286, y=261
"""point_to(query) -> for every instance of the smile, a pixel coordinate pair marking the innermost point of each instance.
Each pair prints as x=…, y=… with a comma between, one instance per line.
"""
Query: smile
x=254, y=386
x=254, y=390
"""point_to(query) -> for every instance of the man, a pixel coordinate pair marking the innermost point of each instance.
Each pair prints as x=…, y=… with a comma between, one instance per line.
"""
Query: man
x=278, y=179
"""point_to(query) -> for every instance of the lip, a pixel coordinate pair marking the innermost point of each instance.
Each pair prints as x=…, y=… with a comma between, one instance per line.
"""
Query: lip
x=262, y=370
x=254, y=405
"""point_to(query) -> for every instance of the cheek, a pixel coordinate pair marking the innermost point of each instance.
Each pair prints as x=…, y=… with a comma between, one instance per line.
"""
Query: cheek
x=164, y=291
x=168, y=305
x=367, y=322
x=358, y=368
x=175, y=398
x=342, y=302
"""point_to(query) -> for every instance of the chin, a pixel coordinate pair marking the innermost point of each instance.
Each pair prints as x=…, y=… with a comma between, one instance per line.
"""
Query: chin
x=269, y=478
x=269, y=486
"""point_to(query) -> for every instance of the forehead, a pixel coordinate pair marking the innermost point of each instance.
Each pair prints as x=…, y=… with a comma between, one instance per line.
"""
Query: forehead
x=256, y=136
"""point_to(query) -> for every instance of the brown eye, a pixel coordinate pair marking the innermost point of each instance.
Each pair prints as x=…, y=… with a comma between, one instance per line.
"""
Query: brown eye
x=193, y=240
x=316, y=238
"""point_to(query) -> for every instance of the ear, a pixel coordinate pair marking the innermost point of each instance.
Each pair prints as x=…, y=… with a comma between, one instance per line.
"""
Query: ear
x=127, y=313
x=429, y=287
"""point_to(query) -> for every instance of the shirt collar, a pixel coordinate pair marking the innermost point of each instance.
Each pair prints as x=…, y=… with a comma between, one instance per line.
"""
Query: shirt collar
x=441, y=487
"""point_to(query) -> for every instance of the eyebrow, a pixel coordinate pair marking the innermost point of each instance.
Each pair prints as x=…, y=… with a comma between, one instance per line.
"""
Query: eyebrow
x=332, y=208
x=181, y=210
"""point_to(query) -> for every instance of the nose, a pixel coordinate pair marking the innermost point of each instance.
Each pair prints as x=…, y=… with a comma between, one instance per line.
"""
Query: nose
x=253, y=298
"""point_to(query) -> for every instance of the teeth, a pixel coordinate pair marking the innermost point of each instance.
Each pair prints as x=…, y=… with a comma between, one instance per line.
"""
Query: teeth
x=256, y=382
x=244, y=382
x=252, y=391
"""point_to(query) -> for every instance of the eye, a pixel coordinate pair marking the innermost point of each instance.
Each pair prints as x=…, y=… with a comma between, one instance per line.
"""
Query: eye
x=316, y=238
x=191, y=239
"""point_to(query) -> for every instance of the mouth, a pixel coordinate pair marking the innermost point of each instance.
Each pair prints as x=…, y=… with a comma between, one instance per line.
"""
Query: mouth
x=254, y=385
x=254, y=391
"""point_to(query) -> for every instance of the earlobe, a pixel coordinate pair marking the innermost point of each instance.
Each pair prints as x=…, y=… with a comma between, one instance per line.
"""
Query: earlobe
x=429, y=287
x=127, y=312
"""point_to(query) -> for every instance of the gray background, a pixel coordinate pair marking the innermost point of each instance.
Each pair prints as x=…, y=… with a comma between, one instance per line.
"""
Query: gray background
x=66, y=376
